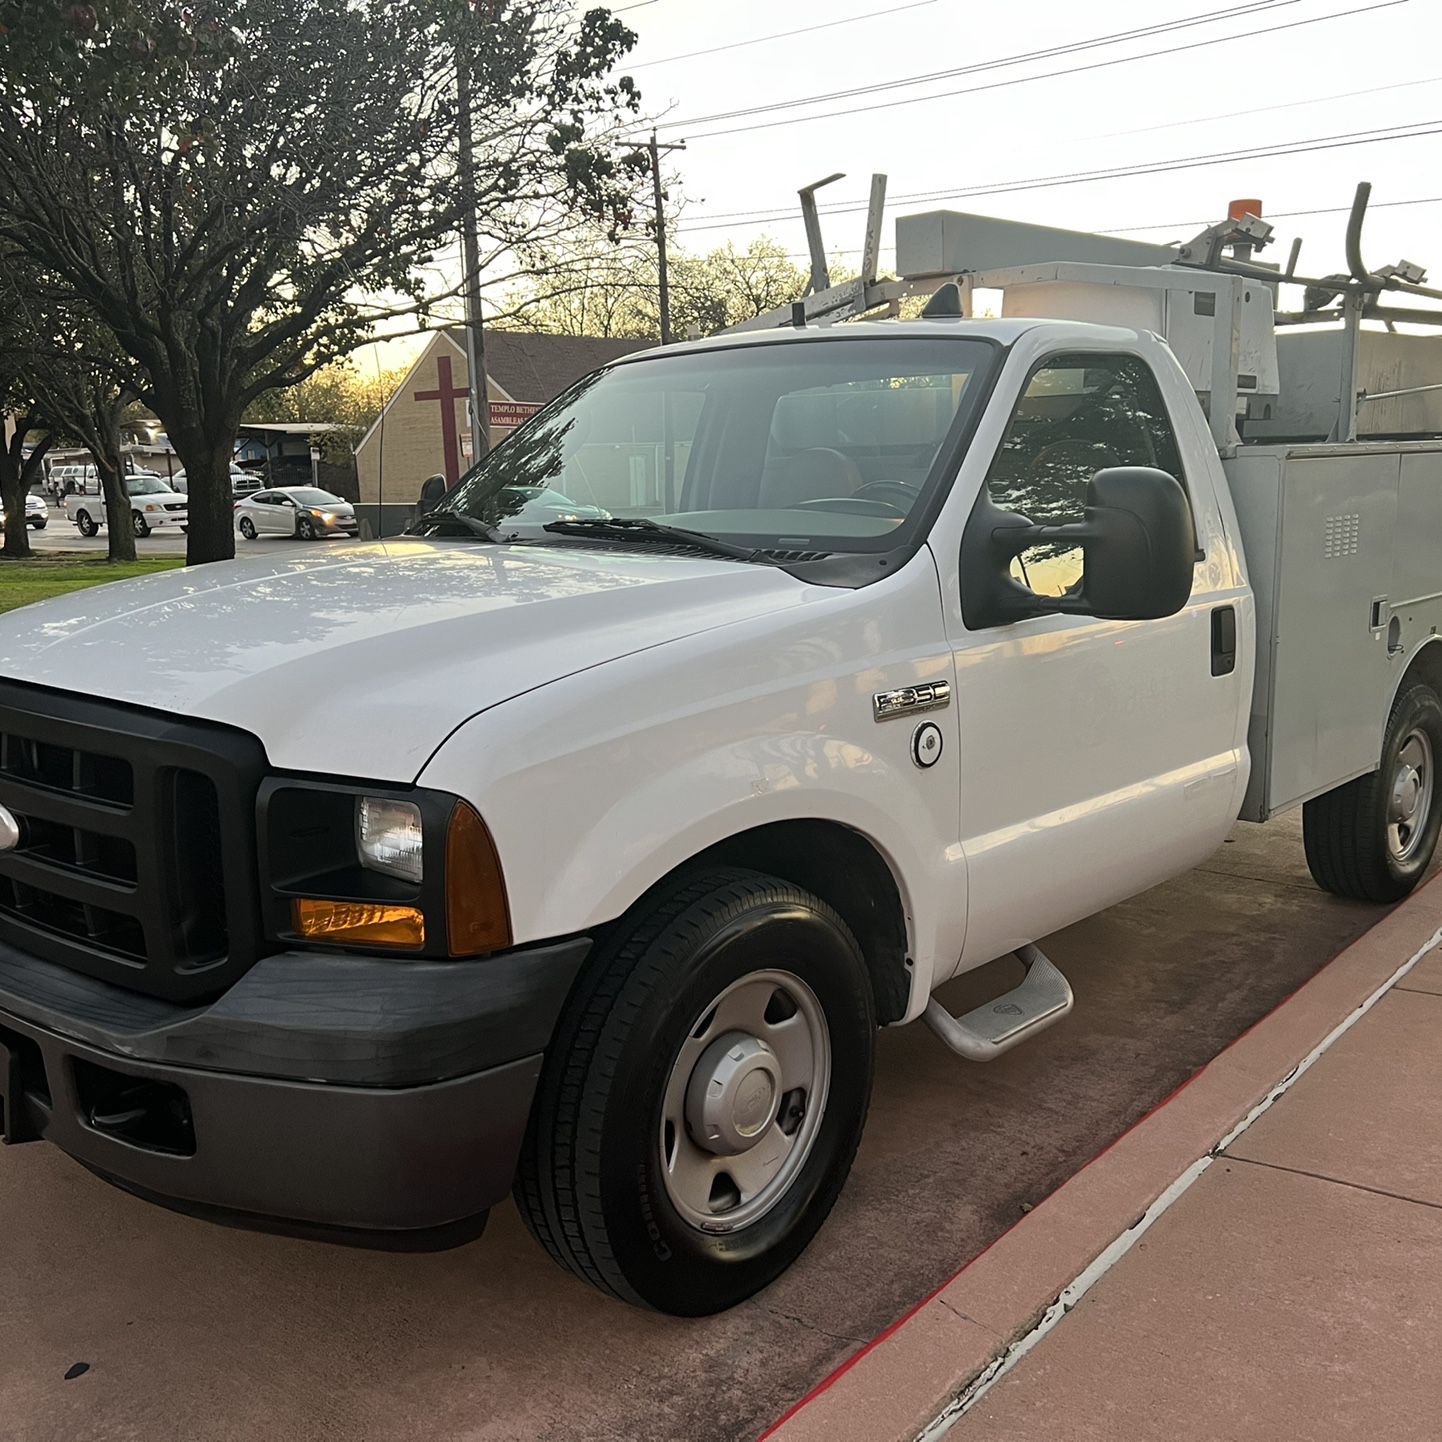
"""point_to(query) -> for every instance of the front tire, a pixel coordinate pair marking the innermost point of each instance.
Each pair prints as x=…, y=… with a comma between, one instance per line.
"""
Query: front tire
x=139, y=525
x=305, y=528
x=704, y=1097
x=1373, y=838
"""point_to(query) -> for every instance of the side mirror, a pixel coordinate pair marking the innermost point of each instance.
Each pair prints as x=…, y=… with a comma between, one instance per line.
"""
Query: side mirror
x=1137, y=539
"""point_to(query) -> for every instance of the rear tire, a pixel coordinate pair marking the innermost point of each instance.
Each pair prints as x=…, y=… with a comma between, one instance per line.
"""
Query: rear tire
x=624, y=1195
x=1373, y=838
x=86, y=524
x=247, y=528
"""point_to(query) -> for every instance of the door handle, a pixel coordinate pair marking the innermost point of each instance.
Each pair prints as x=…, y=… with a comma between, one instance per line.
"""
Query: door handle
x=1224, y=640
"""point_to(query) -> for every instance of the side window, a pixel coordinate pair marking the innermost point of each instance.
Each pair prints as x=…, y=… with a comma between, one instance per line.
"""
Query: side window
x=1078, y=415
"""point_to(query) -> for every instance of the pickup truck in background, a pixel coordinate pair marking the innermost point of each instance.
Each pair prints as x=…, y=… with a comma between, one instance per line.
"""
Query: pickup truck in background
x=578, y=844
x=153, y=506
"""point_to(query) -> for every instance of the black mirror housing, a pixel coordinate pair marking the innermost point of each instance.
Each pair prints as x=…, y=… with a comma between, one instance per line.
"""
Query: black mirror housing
x=1138, y=540
x=1142, y=550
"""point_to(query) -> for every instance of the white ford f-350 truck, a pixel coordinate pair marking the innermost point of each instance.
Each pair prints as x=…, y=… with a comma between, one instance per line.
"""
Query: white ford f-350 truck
x=578, y=844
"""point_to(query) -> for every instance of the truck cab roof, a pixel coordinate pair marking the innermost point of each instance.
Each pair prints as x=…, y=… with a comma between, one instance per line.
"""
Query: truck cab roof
x=1004, y=331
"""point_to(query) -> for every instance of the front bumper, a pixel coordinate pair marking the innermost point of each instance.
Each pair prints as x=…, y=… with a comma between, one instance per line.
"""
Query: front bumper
x=366, y=1099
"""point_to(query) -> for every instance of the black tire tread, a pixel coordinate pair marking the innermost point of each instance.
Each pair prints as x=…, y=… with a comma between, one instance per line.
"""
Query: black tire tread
x=1342, y=854
x=562, y=1149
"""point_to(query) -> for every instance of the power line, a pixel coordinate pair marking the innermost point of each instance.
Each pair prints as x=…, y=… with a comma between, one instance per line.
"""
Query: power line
x=1116, y=37
x=1050, y=74
x=1191, y=162
x=1280, y=215
x=786, y=34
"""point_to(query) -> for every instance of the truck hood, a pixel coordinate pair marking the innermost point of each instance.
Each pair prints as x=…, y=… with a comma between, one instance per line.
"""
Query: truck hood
x=361, y=659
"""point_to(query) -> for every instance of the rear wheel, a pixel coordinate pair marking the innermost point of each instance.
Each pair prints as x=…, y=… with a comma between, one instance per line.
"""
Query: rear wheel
x=1374, y=837
x=247, y=528
x=705, y=1095
x=86, y=524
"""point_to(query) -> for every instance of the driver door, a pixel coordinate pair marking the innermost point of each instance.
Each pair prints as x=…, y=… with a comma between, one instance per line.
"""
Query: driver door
x=1097, y=756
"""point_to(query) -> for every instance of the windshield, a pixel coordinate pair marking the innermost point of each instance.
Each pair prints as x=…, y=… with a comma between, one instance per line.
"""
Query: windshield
x=145, y=486
x=310, y=496
x=826, y=445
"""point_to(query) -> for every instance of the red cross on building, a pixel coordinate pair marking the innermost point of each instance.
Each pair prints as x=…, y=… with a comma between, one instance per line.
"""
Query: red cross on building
x=447, y=394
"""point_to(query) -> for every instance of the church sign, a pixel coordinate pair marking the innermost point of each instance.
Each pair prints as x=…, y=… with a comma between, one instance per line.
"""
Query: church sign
x=512, y=413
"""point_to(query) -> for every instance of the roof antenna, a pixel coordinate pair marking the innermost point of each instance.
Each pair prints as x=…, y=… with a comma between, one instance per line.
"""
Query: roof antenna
x=798, y=314
x=945, y=304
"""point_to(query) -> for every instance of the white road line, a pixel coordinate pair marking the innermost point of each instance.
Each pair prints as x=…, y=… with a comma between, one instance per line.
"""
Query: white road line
x=1076, y=1289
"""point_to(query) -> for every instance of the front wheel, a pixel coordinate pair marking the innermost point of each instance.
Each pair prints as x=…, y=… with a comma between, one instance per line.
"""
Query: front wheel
x=305, y=528
x=704, y=1097
x=139, y=525
x=38, y=525
x=86, y=524
x=1373, y=838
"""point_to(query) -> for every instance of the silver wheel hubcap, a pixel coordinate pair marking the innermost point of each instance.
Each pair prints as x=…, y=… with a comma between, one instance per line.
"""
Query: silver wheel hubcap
x=1410, y=802
x=744, y=1101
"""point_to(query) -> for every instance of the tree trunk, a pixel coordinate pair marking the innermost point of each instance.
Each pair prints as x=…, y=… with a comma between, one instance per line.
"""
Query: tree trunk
x=16, y=476
x=119, y=530
x=212, y=506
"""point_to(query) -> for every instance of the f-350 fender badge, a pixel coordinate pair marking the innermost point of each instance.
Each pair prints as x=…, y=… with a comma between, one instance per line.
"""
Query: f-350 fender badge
x=908, y=700
x=926, y=744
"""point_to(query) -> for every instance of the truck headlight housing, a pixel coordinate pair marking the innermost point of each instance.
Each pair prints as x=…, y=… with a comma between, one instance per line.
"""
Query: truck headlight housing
x=388, y=837
x=380, y=869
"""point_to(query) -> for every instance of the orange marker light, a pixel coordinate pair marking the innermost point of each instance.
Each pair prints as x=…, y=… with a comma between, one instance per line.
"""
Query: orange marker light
x=366, y=922
x=478, y=919
x=1240, y=208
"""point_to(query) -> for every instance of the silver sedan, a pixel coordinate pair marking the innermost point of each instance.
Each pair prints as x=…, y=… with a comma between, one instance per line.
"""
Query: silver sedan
x=303, y=511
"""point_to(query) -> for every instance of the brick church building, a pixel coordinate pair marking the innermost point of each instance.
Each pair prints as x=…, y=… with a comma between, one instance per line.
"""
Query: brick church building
x=424, y=429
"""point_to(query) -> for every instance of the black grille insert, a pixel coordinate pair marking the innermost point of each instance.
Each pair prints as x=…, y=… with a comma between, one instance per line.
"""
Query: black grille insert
x=136, y=860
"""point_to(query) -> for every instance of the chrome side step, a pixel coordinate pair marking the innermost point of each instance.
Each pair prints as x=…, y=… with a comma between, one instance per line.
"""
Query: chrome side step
x=1043, y=998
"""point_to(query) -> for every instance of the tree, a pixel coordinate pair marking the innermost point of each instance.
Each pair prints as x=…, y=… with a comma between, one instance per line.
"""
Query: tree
x=18, y=471
x=239, y=189
x=585, y=286
x=340, y=395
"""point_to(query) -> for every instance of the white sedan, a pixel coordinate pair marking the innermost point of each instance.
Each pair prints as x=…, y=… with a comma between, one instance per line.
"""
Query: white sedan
x=304, y=511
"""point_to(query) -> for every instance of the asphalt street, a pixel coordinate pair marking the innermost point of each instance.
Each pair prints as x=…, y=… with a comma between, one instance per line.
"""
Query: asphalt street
x=189, y=1331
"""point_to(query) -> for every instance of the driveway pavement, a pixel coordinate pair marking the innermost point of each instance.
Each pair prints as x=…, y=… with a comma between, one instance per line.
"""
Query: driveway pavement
x=187, y=1331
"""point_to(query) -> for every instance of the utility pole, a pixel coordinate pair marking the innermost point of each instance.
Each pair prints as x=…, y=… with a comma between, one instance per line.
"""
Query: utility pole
x=479, y=404
x=656, y=149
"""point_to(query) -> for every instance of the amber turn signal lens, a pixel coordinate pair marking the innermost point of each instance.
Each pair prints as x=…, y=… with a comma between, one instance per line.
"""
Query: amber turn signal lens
x=477, y=916
x=369, y=923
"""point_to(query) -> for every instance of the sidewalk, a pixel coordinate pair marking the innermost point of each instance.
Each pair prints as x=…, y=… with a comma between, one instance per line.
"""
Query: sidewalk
x=1295, y=1291
x=1259, y=1258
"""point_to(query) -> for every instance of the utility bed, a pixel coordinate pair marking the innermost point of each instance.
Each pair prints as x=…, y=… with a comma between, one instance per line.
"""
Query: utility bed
x=1342, y=543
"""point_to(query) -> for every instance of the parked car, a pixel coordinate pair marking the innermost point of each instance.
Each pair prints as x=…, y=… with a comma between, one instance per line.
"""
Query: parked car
x=72, y=478
x=153, y=506
x=304, y=511
x=242, y=482
x=37, y=513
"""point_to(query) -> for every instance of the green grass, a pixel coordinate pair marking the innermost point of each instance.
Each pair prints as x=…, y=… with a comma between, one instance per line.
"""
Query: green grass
x=22, y=582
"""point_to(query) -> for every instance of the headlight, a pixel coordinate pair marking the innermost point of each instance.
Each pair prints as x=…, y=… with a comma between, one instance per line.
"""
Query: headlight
x=414, y=871
x=388, y=837
x=151, y=506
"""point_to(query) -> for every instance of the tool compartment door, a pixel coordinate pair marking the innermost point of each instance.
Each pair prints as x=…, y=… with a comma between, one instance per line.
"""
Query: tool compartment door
x=1330, y=672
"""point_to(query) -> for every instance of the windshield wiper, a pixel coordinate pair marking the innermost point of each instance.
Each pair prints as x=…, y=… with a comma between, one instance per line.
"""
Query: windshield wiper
x=434, y=520
x=642, y=528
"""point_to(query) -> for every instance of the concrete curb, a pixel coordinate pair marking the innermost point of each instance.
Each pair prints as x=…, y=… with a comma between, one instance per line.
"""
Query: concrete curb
x=895, y=1386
